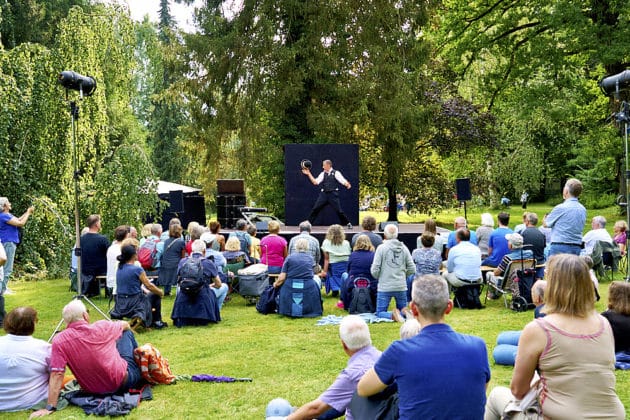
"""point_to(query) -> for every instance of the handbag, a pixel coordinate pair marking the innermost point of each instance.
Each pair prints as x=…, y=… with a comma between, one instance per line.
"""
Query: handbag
x=267, y=303
x=527, y=408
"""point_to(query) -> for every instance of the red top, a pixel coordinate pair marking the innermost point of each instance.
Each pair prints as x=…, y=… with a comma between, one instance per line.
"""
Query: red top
x=90, y=351
x=272, y=250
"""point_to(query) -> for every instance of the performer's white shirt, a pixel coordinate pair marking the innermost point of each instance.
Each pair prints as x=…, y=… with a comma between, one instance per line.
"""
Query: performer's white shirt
x=338, y=176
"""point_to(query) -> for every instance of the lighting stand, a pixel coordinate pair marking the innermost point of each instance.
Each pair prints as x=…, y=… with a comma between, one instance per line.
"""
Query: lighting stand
x=624, y=112
x=74, y=116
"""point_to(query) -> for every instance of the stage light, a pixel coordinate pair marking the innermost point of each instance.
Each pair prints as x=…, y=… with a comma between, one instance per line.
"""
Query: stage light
x=71, y=80
x=612, y=85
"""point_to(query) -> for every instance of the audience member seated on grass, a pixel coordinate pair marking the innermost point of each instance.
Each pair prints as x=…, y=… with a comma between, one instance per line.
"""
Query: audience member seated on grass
x=619, y=231
x=566, y=221
x=391, y=267
x=357, y=344
x=449, y=379
x=273, y=249
x=299, y=295
x=120, y=233
x=369, y=226
x=218, y=240
x=131, y=301
x=23, y=362
x=359, y=265
x=515, y=245
x=497, y=244
x=427, y=259
x=174, y=249
x=313, y=243
x=618, y=314
x=460, y=223
x=535, y=240
x=483, y=233
x=204, y=306
x=464, y=262
x=440, y=240
x=572, y=349
x=193, y=232
x=597, y=233
x=336, y=252
x=100, y=356
x=244, y=240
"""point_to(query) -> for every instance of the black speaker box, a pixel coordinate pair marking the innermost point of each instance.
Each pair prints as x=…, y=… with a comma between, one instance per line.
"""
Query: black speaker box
x=462, y=185
x=176, y=201
x=230, y=186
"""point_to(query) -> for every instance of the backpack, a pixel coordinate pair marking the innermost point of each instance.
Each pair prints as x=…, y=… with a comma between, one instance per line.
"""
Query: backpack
x=467, y=297
x=361, y=301
x=153, y=366
x=267, y=301
x=522, y=289
x=147, y=254
x=191, y=276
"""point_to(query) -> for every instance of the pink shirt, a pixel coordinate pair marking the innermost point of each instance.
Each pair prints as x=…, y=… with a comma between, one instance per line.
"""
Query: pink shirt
x=272, y=250
x=90, y=352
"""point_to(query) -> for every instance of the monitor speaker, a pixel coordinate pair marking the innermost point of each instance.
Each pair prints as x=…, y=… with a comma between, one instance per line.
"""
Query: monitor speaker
x=462, y=185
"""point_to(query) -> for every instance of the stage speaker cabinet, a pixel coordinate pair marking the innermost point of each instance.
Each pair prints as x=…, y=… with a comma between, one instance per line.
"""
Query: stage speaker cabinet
x=176, y=201
x=230, y=186
x=382, y=225
x=462, y=187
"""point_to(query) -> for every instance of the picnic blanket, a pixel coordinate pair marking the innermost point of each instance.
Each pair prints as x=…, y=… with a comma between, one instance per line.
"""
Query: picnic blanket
x=336, y=319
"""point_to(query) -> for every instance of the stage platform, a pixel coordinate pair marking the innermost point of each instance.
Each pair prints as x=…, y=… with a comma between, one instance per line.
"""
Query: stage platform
x=407, y=233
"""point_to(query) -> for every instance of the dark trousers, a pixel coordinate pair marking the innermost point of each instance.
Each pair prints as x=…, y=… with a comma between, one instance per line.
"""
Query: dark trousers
x=125, y=346
x=331, y=198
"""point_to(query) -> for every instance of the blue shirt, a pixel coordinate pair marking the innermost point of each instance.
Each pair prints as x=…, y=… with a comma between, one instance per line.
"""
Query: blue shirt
x=128, y=279
x=8, y=233
x=567, y=221
x=465, y=261
x=439, y=372
x=499, y=246
x=452, y=241
x=299, y=266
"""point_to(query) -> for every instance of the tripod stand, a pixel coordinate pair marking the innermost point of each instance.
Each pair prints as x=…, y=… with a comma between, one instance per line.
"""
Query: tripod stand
x=74, y=116
x=623, y=116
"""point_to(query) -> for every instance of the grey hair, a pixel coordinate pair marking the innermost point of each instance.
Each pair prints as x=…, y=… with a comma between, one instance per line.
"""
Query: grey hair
x=487, y=220
x=301, y=245
x=532, y=218
x=600, y=220
x=430, y=294
x=240, y=224
x=73, y=311
x=3, y=202
x=390, y=231
x=409, y=329
x=573, y=187
x=198, y=246
x=156, y=229
x=354, y=332
x=305, y=226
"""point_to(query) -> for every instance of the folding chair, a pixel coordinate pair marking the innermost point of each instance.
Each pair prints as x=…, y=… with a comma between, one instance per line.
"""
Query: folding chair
x=503, y=285
x=606, y=257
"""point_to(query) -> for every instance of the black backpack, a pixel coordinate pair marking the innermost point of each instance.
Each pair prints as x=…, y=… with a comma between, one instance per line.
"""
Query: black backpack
x=467, y=297
x=191, y=276
x=361, y=301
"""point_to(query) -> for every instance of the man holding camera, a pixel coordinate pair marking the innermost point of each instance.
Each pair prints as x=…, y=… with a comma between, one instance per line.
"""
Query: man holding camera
x=10, y=238
x=329, y=180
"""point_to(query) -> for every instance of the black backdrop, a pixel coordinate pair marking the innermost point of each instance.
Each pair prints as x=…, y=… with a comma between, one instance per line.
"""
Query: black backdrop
x=300, y=194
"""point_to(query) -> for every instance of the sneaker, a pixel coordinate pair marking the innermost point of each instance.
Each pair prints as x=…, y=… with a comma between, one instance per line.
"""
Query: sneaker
x=158, y=325
x=349, y=226
x=8, y=292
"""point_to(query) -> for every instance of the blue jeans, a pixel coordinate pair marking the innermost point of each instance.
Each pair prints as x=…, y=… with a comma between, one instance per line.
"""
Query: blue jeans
x=220, y=293
x=9, y=248
x=555, y=249
x=383, y=299
x=125, y=346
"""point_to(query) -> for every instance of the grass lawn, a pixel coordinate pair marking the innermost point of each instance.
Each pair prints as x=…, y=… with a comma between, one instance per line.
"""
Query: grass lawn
x=290, y=358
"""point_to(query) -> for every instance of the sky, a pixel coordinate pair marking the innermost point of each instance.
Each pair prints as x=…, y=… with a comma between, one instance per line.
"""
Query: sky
x=183, y=14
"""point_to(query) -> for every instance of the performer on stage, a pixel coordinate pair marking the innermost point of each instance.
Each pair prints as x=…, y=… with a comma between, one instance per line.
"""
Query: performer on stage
x=329, y=180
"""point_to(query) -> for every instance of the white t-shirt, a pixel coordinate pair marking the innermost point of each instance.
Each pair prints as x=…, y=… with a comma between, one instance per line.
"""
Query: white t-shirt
x=24, y=374
x=112, y=263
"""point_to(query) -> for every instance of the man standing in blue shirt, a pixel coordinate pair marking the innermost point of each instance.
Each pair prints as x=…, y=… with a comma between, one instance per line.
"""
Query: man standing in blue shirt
x=439, y=372
x=497, y=244
x=567, y=221
x=10, y=238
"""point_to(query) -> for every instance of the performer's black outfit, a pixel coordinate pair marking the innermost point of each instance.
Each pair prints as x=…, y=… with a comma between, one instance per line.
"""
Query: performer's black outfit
x=329, y=194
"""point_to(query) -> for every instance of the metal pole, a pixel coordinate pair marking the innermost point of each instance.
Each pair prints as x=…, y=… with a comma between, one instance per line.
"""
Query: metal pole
x=627, y=194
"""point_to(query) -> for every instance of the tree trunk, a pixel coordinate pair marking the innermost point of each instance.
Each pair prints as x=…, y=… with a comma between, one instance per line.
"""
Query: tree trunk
x=393, y=204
